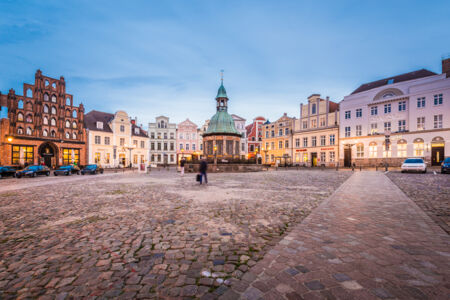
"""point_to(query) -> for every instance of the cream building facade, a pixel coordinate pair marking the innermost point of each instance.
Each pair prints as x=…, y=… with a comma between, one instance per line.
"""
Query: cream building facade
x=316, y=133
x=277, y=141
x=115, y=140
x=162, y=137
x=388, y=120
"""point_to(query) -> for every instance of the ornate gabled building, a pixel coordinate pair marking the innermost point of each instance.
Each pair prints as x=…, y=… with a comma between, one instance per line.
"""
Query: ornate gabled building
x=187, y=141
x=42, y=126
x=221, y=140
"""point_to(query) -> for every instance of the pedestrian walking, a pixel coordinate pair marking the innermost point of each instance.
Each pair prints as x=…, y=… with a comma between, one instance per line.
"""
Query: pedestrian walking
x=182, y=163
x=203, y=168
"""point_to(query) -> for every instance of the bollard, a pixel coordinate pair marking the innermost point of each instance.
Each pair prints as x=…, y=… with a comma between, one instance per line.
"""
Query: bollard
x=376, y=167
x=386, y=167
x=337, y=167
x=360, y=168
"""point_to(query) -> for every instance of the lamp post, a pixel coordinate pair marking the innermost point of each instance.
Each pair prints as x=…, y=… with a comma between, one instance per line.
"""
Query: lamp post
x=215, y=154
x=256, y=155
x=131, y=147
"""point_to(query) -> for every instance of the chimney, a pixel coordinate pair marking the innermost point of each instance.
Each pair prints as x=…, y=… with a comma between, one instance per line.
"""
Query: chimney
x=446, y=66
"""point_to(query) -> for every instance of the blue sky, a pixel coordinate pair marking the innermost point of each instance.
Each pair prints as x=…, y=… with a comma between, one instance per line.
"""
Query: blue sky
x=154, y=58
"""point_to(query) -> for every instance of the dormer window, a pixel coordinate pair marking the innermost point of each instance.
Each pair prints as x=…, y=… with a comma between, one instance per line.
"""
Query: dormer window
x=99, y=125
x=136, y=130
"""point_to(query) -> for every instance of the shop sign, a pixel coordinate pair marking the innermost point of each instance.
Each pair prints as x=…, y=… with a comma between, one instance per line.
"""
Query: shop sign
x=330, y=148
x=300, y=150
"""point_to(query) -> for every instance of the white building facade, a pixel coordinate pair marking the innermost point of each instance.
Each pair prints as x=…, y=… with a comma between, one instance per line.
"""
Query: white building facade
x=162, y=138
x=388, y=120
x=239, y=123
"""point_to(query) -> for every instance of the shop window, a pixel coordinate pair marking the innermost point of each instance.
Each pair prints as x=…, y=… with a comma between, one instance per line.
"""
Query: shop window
x=22, y=155
x=71, y=156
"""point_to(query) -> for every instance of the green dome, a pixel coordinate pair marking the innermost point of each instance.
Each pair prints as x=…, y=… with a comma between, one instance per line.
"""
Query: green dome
x=221, y=93
x=221, y=123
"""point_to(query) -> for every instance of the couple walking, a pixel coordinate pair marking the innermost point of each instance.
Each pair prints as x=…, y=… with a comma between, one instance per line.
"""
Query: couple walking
x=202, y=170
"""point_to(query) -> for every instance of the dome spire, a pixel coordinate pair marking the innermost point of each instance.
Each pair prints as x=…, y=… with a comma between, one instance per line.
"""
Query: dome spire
x=221, y=93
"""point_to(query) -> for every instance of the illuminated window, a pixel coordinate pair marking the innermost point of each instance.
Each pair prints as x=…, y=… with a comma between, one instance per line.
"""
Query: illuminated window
x=373, y=150
x=360, y=150
x=20, y=117
x=332, y=156
x=22, y=155
x=386, y=152
x=71, y=156
x=401, y=148
x=97, y=157
x=418, y=147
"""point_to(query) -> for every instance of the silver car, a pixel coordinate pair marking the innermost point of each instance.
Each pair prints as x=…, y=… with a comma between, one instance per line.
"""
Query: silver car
x=415, y=165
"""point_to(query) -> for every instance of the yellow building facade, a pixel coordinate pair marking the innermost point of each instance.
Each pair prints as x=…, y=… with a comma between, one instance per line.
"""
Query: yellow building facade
x=277, y=141
x=316, y=133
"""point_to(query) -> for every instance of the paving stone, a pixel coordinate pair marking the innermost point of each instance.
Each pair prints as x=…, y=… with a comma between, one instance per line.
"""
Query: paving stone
x=341, y=277
x=314, y=285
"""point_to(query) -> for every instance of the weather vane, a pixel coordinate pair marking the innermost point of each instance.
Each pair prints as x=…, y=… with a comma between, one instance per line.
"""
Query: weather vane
x=221, y=75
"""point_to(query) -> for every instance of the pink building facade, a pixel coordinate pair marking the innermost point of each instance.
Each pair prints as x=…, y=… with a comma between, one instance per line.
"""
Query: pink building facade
x=188, y=141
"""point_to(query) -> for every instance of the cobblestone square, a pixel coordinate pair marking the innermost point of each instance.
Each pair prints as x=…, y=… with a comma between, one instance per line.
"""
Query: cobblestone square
x=148, y=236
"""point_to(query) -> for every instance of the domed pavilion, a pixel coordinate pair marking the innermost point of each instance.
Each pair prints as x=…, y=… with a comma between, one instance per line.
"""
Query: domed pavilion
x=221, y=140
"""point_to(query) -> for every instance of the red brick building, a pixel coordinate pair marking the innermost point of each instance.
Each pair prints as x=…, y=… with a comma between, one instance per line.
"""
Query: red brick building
x=254, y=136
x=42, y=126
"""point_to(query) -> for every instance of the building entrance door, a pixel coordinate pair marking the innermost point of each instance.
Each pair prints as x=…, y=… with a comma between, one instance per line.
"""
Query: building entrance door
x=314, y=159
x=437, y=154
x=347, y=157
x=47, y=152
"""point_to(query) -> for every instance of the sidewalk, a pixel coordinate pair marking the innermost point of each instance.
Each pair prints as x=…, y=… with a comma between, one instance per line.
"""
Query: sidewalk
x=367, y=241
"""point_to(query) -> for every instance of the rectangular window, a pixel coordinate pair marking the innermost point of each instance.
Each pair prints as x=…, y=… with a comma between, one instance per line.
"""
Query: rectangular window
x=286, y=144
x=267, y=134
x=267, y=147
x=286, y=131
x=401, y=150
x=135, y=142
x=373, y=128
x=181, y=146
x=165, y=146
x=437, y=121
x=187, y=147
x=418, y=149
x=142, y=159
x=387, y=126
x=332, y=156
x=272, y=133
x=22, y=155
x=332, y=139
x=347, y=131
x=372, y=150
x=97, y=157
x=272, y=145
x=152, y=135
x=313, y=141
x=135, y=159
x=305, y=124
x=402, y=106
x=280, y=132
x=421, y=102
x=142, y=144
x=421, y=123
x=107, y=140
x=152, y=146
x=280, y=145
x=122, y=128
x=323, y=157
x=172, y=146
x=108, y=158
x=387, y=108
x=323, y=140
x=360, y=150
x=158, y=146
x=97, y=140
x=297, y=143
x=438, y=99
x=358, y=130
x=347, y=114
x=359, y=112
x=122, y=141
x=322, y=122
x=374, y=110
x=313, y=123
x=401, y=125
x=305, y=142
x=165, y=135
x=99, y=125
x=193, y=147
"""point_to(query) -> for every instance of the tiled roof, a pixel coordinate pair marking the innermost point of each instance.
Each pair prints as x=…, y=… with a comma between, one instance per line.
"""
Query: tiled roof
x=395, y=79
x=142, y=132
x=94, y=116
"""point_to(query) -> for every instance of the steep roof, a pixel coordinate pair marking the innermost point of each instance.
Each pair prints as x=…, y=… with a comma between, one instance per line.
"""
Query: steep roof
x=142, y=132
x=94, y=116
x=395, y=79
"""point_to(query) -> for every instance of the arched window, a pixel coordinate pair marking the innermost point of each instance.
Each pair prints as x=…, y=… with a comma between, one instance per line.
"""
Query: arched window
x=418, y=147
x=74, y=135
x=28, y=106
x=74, y=114
x=29, y=131
x=67, y=124
x=53, y=133
x=401, y=148
x=74, y=125
x=67, y=113
x=54, y=86
x=53, y=98
x=29, y=119
x=29, y=93
x=46, y=109
x=53, y=122
x=20, y=117
x=68, y=101
x=67, y=135
x=20, y=130
x=373, y=150
x=53, y=110
x=45, y=132
x=45, y=121
x=45, y=97
x=47, y=83
x=20, y=104
x=360, y=150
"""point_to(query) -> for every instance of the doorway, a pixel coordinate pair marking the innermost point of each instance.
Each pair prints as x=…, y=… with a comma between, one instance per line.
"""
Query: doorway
x=314, y=159
x=437, y=154
x=47, y=152
x=347, y=157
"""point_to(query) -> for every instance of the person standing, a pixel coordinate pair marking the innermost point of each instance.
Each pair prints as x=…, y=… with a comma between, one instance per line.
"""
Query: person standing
x=182, y=163
x=203, y=168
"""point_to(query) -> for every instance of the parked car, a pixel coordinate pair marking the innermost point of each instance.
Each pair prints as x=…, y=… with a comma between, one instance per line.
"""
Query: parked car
x=414, y=164
x=67, y=170
x=92, y=169
x=445, y=166
x=33, y=171
x=7, y=172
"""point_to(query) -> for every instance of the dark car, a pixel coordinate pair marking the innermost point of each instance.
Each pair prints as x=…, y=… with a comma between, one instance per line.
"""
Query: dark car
x=7, y=172
x=445, y=166
x=92, y=169
x=67, y=170
x=33, y=171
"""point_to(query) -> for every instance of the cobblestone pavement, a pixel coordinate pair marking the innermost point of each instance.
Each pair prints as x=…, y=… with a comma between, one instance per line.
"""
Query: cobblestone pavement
x=367, y=241
x=430, y=191
x=148, y=236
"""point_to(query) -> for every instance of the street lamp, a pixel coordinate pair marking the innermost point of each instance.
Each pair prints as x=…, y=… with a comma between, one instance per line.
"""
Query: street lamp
x=131, y=147
x=215, y=154
x=9, y=139
x=256, y=155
